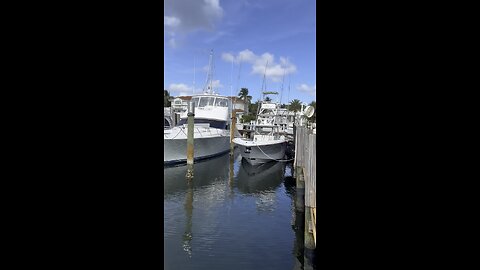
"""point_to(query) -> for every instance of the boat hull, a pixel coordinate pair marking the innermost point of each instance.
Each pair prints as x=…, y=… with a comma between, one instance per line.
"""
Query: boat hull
x=258, y=153
x=175, y=150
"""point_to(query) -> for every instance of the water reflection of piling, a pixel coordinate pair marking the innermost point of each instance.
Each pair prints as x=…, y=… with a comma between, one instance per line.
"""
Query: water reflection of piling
x=298, y=228
x=232, y=131
x=231, y=173
x=187, y=236
x=189, y=174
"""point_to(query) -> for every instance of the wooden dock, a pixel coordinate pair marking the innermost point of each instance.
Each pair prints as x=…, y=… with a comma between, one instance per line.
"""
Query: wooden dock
x=305, y=174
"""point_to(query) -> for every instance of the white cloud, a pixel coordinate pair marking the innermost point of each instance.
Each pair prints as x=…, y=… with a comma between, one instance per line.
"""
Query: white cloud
x=275, y=71
x=243, y=56
x=216, y=84
x=246, y=56
x=184, y=16
x=212, y=8
x=172, y=42
x=171, y=21
x=311, y=90
x=180, y=88
x=228, y=57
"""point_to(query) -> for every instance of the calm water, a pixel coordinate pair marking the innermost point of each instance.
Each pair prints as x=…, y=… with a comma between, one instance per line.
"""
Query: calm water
x=231, y=216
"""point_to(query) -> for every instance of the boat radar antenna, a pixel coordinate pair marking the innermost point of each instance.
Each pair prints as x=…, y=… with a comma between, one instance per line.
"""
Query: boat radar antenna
x=281, y=91
x=264, y=83
x=209, y=82
x=193, y=91
x=264, y=86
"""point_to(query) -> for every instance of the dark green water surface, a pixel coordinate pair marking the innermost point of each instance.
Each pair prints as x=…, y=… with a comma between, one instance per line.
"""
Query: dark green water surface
x=231, y=216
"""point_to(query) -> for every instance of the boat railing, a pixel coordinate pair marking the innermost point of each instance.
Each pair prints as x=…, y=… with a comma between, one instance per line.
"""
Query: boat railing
x=198, y=125
x=264, y=138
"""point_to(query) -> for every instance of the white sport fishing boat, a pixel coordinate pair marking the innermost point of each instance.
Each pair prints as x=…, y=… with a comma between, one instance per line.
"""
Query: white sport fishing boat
x=211, y=128
x=267, y=143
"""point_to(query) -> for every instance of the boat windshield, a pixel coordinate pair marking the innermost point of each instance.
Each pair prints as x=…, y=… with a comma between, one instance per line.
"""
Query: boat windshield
x=221, y=102
x=210, y=101
x=204, y=101
x=196, y=100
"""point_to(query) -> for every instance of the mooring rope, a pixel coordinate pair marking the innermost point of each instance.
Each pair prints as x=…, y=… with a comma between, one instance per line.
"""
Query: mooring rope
x=177, y=133
x=279, y=160
x=201, y=135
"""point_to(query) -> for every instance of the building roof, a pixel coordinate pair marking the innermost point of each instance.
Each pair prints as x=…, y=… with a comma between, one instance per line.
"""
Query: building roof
x=237, y=100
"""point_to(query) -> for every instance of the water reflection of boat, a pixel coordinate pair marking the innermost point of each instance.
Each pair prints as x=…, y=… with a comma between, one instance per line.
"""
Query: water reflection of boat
x=258, y=178
x=204, y=173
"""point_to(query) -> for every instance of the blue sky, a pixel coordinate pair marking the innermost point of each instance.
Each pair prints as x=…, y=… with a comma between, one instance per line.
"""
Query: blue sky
x=247, y=33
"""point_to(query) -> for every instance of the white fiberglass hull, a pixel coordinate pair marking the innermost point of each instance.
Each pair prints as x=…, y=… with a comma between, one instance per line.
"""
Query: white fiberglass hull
x=207, y=143
x=261, y=152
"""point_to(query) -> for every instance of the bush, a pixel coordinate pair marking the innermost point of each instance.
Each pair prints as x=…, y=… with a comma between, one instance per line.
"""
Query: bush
x=246, y=118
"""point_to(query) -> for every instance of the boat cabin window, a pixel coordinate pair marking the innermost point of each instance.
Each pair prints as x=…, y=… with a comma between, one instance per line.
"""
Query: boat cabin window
x=221, y=102
x=196, y=100
x=204, y=101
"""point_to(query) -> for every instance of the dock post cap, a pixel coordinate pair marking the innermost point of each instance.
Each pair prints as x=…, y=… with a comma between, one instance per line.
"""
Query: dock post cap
x=191, y=107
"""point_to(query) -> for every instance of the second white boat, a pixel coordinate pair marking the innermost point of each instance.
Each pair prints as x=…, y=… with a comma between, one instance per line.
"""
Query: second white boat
x=267, y=143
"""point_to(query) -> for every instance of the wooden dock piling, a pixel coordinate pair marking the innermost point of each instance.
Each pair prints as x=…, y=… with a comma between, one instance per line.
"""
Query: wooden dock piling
x=190, y=127
x=305, y=174
x=300, y=191
x=190, y=139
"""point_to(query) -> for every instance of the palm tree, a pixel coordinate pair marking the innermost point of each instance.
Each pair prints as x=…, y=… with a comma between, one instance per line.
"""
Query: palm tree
x=166, y=98
x=295, y=106
x=243, y=95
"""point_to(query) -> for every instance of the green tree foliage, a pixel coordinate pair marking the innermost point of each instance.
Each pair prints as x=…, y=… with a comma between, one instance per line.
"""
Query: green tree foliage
x=295, y=105
x=166, y=99
x=252, y=108
x=243, y=95
x=246, y=118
